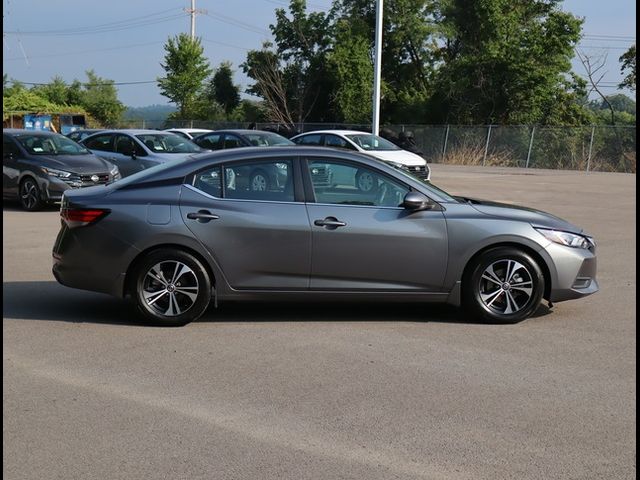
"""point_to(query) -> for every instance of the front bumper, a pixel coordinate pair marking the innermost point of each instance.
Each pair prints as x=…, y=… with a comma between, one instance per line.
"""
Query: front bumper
x=575, y=272
x=53, y=188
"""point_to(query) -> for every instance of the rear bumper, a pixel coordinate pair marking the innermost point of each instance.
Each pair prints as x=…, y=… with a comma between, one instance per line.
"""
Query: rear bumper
x=87, y=258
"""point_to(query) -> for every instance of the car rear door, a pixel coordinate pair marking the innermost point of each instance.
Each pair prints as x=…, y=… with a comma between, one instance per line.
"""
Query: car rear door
x=260, y=239
x=364, y=241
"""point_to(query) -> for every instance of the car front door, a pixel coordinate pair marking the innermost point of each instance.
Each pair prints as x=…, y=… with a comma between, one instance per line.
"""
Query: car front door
x=260, y=239
x=365, y=241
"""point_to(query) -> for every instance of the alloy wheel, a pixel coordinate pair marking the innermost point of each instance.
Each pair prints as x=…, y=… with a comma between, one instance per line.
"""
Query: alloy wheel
x=170, y=288
x=506, y=287
x=29, y=194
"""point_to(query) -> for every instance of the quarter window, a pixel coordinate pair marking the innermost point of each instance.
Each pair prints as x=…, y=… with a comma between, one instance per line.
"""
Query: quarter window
x=346, y=184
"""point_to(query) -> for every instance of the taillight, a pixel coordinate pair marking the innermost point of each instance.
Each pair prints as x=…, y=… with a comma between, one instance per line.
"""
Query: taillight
x=80, y=217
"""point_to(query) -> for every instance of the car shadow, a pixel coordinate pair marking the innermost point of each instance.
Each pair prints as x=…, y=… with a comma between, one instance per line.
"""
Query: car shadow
x=50, y=301
x=14, y=206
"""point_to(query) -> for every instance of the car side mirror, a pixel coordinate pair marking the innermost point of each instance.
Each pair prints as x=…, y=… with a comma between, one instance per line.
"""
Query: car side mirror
x=416, y=201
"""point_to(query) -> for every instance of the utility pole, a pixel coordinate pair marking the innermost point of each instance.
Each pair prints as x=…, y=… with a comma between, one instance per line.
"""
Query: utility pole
x=377, y=67
x=193, y=12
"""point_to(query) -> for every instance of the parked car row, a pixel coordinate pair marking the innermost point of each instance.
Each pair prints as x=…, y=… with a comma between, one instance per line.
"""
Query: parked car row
x=38, y=166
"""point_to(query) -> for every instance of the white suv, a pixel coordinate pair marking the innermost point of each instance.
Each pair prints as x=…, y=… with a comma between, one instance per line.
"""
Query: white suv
x=369, y=144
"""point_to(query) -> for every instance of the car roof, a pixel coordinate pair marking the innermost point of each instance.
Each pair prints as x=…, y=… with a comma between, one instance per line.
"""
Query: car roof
x=135, y=131
x=22, y=131
x=187, y=130
x=336, y=132
x=244, y=131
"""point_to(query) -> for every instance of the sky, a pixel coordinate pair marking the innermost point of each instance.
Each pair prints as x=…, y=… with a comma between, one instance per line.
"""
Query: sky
x=123, y=40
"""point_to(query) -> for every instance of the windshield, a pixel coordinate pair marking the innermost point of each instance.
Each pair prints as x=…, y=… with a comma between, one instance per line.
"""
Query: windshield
x=372, y=142
x=168, y=143
x=267, y=139
x=441, y=193
x=51, y=145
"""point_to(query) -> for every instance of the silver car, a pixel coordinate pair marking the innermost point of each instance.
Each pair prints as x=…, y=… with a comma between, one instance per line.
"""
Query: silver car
x=135, y=150
x=178, y=236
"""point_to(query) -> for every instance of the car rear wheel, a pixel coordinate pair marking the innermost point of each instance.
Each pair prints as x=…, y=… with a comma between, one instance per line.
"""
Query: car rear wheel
x=30, y=195
x=172, y=288
x=504, y=285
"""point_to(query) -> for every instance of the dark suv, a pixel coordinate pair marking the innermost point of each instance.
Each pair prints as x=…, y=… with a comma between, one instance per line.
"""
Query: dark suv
x=38, y=166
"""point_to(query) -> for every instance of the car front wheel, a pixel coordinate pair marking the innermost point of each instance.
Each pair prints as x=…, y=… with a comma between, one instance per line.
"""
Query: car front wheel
x=30, y=195
x=171, y=288
x=504, y=285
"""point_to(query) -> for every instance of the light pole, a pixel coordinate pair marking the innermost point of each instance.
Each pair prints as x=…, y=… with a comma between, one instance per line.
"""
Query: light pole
x=377, y=67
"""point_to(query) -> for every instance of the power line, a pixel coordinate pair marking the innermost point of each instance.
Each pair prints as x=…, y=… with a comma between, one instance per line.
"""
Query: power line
x=85, y=51
x=604, y=47
x=106, y=28
x=619, y=37
x=86, y=84
x=226, y=44
x=237, y=23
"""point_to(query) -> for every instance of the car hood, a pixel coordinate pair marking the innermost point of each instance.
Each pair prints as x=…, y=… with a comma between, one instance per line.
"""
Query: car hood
x=76, y=163
x=536, y=218
x=398, y=156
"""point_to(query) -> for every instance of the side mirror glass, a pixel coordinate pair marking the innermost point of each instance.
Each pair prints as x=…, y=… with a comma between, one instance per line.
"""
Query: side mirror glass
x=416, y=201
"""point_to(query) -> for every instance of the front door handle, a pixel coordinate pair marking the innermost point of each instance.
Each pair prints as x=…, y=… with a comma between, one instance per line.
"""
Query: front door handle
x=203, y=216
x=330, y=222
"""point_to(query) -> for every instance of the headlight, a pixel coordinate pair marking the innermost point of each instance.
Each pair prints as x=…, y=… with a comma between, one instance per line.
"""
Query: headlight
x=114, y=172
x=56, y=173
x=566, y=238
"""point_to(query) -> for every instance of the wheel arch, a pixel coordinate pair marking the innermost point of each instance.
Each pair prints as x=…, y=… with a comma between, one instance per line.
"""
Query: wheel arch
x=127, y=284
x=539, y=259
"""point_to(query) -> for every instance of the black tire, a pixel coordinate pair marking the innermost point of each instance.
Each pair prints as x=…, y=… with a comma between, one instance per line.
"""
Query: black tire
x=29, y=195
x=259, y=181
x=186, y=296
x=489, y=296
x=366, y=181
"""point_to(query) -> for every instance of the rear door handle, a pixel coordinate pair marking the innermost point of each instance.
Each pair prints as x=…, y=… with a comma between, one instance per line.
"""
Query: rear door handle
x=203, y=216
x=330, y=222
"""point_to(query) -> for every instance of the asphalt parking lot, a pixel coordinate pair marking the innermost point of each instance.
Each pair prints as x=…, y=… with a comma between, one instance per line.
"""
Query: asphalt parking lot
x=328, y=391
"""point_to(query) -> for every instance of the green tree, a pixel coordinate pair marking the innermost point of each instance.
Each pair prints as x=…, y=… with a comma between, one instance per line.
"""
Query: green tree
x=186, y=70
x=352, y=67
x=292, y=75
x=100, y=98
x=507, y=61
x=56, y=91
x=628, y=60
x=409, y=50
x=223, y=90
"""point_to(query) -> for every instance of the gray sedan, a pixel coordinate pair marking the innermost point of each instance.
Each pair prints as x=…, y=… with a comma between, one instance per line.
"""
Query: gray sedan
x=179, y=235
x=135, y=150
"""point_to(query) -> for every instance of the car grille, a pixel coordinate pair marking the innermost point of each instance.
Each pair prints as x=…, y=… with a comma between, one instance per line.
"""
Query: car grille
x=420, y=171
x=80, y=181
